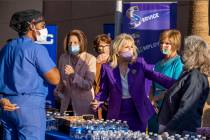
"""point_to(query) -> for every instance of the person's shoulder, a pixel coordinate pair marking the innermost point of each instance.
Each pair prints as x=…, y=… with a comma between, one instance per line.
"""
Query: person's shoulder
x=37, y=45
x=106, y=66
x=26, y=41
x=28, y=45
x=139, y=59
x=11, y=43
x=178, y=60
x=63, y=56
x=38, y=48
x=89, y=56
x=192, y=72
x=194, y=75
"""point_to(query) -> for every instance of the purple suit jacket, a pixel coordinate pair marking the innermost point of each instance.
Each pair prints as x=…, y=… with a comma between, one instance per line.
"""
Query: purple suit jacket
x=111, y=88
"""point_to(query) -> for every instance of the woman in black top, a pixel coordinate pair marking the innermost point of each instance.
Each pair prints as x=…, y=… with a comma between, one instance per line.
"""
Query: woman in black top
x=183, y=103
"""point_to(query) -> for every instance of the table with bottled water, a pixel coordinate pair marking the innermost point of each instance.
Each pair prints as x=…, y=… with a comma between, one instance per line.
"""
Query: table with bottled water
x=120, y=135
x=88, y=129
x=108, y=130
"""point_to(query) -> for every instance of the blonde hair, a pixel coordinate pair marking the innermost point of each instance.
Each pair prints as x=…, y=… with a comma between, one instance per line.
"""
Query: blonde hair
x=119, y=42
x=174, y=37
x=196, y=54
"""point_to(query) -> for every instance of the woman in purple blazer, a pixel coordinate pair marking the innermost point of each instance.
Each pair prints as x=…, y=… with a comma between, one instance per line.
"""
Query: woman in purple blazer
x=123, y=84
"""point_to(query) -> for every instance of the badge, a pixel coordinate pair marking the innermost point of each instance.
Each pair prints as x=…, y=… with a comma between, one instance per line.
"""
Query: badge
x=133, y=71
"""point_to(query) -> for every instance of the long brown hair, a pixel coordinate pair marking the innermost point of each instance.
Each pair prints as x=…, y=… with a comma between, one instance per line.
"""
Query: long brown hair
x=81, y=37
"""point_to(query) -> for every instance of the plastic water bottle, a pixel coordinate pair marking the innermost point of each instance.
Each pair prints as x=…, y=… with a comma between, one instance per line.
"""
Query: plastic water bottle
x=124, y=126
x=51, y=122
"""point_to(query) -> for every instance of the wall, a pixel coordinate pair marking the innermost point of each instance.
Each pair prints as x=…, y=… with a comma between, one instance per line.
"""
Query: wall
x=184, y=17
x=7, y=8
x=90, y=15
x=87, y=15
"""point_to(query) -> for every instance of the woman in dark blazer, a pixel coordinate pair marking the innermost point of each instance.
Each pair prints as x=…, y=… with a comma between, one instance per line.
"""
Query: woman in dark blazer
x=123, y=84
x=183, y=103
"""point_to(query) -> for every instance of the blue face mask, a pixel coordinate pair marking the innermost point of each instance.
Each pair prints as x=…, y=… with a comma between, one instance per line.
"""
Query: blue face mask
x=74, y=49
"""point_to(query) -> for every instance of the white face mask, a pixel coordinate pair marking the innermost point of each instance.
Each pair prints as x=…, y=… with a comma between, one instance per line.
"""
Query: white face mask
x=42, y=36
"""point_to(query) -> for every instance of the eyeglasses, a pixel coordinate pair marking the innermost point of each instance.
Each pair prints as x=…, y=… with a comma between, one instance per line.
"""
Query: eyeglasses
x=103, y=46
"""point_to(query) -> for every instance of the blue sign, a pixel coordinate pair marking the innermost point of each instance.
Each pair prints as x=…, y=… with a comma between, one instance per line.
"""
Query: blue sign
x=51, y=45
x=109, y=30
x=145, y=21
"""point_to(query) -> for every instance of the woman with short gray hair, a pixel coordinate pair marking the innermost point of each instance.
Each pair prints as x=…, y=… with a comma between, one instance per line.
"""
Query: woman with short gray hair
x=183, y=103
x=196, y=54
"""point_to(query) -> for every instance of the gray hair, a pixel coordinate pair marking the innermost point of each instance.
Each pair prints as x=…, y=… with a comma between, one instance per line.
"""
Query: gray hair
x=196, y=54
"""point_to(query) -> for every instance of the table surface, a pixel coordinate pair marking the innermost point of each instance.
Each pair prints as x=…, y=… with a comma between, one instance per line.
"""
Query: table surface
x=55, y=135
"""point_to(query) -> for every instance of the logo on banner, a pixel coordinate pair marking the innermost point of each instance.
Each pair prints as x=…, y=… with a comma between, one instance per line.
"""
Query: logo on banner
x=136, y=20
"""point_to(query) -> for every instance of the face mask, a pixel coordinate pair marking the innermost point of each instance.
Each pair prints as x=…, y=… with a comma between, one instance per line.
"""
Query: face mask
x=74, y=49
x=42, y=36
x=127, y=56
x=166, y=51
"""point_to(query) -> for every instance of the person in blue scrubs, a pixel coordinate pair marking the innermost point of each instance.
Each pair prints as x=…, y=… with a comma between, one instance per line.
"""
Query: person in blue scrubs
x=171, y=66
x=25, y=70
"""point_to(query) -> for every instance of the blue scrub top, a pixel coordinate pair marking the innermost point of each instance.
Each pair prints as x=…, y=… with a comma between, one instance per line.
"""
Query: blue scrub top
x=22, y=66
x=171, y=68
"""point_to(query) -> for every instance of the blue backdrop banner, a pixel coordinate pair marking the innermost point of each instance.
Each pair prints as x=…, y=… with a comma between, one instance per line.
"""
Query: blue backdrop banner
x=145, y=21
x=109, y=30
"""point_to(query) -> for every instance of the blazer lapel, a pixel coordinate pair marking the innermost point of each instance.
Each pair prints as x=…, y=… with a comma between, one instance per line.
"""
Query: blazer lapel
x=131, y=74
x=116, y=74
x=80, y=62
